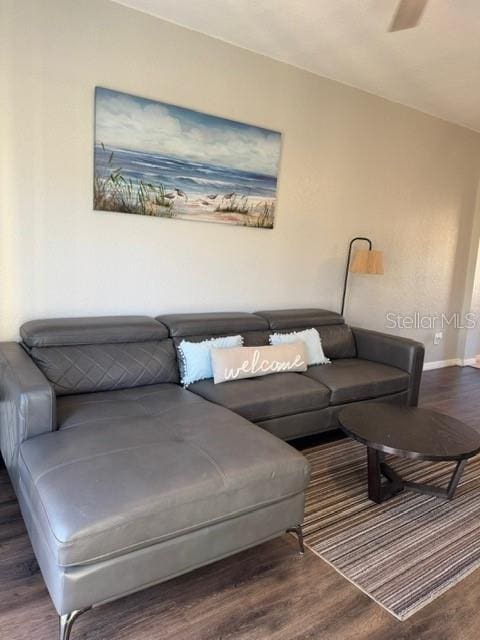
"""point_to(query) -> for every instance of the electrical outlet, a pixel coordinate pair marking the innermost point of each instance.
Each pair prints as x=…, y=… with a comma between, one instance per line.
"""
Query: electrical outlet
x=437, y=338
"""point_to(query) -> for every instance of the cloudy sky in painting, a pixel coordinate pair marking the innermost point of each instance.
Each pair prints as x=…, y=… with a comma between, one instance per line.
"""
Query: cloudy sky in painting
x=129, y=122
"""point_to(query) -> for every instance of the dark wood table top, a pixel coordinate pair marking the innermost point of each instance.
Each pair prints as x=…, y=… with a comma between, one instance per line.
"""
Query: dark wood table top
x=410, y=432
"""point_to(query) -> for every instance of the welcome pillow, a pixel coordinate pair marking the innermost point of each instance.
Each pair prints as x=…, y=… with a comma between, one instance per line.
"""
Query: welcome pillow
x=251, y=362
x=311, y=339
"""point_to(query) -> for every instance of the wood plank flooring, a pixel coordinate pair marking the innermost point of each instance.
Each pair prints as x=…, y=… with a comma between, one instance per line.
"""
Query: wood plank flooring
x=269, y=592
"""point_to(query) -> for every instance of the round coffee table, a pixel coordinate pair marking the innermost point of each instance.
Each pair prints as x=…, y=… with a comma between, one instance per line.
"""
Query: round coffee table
x=408, y=432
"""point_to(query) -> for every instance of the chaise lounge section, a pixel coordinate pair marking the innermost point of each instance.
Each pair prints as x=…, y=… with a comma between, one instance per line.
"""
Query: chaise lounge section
x=126, y=479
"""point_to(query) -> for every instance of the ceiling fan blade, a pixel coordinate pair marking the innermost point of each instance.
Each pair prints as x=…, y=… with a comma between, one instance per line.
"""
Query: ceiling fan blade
x=408, y=14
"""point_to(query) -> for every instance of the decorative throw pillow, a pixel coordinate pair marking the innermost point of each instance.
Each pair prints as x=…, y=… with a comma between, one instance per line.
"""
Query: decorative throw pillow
x=312, y=340
x=195, y=357
x=251, y=362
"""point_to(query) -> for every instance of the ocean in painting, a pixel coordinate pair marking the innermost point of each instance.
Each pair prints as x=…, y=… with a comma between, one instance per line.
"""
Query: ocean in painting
x=165, y=161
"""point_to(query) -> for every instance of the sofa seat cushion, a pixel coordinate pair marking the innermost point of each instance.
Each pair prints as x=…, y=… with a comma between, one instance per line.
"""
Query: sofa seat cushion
x=352, y=379
x=279, y=394
x=107, y=488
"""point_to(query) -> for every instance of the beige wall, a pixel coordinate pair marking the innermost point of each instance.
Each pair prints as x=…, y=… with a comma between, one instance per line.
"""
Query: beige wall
x=351, y=164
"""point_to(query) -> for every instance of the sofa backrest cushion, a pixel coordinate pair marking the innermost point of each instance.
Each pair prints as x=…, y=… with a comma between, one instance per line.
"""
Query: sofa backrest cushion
x=337, y=338
x=101, y=330
x=196, y=327
x=83, y=355
x=337, y=341
x=299, y=318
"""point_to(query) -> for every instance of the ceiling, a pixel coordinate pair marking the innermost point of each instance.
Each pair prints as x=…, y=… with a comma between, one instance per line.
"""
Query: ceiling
x=434, y=67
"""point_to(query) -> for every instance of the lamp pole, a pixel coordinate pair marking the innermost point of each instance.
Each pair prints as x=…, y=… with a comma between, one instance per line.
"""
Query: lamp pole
x=348, y=265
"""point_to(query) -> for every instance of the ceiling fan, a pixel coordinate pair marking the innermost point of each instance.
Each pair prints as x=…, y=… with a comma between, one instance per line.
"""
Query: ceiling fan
x=408, y=14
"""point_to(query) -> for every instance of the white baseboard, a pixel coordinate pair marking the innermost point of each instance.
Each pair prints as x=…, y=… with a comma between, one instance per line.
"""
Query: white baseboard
x=470, y=362
x=454, y=362
x=439, y=364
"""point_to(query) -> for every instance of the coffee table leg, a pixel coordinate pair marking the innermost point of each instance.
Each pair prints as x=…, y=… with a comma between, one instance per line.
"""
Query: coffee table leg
x=378, y=491
x=440, y=492
x=457, y=474
x=374, y=475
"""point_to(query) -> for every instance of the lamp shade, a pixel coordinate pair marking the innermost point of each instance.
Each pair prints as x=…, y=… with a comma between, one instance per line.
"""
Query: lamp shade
x=365, y=261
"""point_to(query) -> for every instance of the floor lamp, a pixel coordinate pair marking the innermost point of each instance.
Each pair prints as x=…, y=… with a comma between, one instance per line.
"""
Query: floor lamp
x=364, y=261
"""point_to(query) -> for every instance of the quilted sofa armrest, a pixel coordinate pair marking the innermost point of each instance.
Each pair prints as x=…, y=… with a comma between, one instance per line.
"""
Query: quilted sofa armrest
x=395, y=351
x=27, y=400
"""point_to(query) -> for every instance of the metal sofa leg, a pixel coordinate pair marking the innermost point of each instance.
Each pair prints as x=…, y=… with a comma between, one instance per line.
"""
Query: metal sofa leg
x=298, y=531
x=66, y=623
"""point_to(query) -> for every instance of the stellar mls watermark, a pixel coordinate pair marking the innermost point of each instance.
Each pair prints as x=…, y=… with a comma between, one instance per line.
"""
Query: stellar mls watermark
x=418, y=320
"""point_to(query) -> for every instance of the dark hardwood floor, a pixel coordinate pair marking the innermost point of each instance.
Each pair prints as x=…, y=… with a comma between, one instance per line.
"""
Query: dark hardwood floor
x=269, y=592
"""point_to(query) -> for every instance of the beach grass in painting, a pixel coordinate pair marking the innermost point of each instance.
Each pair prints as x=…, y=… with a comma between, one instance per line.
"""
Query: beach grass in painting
x=156, y=159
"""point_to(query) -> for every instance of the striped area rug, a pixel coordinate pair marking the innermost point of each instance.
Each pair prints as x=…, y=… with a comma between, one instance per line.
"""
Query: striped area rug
x=405, y=552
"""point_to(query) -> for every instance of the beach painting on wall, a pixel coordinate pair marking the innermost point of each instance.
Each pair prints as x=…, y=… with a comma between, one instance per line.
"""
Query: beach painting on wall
x=157, y=159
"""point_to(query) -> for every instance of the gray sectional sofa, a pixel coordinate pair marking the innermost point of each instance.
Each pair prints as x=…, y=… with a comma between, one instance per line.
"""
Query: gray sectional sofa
x=126, y=479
